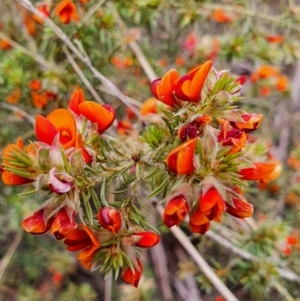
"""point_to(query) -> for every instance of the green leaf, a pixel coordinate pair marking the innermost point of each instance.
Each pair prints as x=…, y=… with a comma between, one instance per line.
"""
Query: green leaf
x=159, y=188
x=96, y=200
x=103, y=194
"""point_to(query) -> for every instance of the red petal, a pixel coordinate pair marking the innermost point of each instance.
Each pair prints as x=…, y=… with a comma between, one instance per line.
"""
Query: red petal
x=45, y=130
x=104, y=116
x=199, y=80
x=76, y=99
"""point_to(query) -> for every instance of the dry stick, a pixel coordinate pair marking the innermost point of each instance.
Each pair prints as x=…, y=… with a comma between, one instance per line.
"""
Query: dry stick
x=106, y=82
x=81, y=75
x=19, y=111
x=10, y=252
x=159, y=259
x=129, y=99
x=26, y=51
x=134, y=46
x=206, y=269
x=92, y=10
x=108, y=286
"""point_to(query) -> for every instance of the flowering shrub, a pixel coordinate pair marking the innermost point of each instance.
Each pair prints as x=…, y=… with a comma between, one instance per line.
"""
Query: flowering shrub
x=199, y=148
x=211, y=144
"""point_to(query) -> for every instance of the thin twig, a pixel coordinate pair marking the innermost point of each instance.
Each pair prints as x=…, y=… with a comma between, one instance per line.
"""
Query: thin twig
x=129, y=99
x=81, y=75
x=283, y=291
x=92, y=10
x=110, y=85
x=108, y=287
x=133, y=45
x=18, y=110
x=200, y=261
x=9, y=253
x=26, y=51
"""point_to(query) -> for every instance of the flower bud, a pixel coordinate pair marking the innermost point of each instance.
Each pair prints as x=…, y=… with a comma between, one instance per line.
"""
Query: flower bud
x=63, y=222
x=110, y=219
x=37, y=223
x=133, y=277
x=259, y=171
x=147, y=239
x=175, y=211
x=240, y=208
x=181, y=159
x=188, y=131
x=164, y=87
x=211, y=207
x=83, y=239
x=190, y=85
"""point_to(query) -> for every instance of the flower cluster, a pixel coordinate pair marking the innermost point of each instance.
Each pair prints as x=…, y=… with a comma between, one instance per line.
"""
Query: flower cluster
x=68, y=143
x=210, y=164
x=196, y=153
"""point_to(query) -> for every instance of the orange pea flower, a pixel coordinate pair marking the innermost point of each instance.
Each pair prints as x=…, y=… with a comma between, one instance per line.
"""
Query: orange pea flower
x=149, y=106
x=265, y=91
x=59, y=121
x=251, y=121
x=189, y=86
x=133, y=277
x=76, y=99
x=29, y=23
x=275, y=38
x=163, y=88
x=4, y=45
x=83, y=239
x=63, y=223
x=211, y=207
x=259, y=171
x=234, y=137
x=291, y=240
x=147, y=239
x=44, y=10
x=39, y=100
x=8, y=177
x=175, y=211
x=102, y=115
x=266, y=71
x=282, y=83
x=14, y=97
x=220, y=16
x=275, y=173
x=181, y=159
x=66, y=11
x=121, y=63
x=37, y=223
x=124, y=127
x=179, y=61
x=110, y=219
x=35, y=85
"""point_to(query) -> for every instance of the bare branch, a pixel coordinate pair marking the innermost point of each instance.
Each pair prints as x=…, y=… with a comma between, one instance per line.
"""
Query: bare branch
x=18, y=110
x=81, y=75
